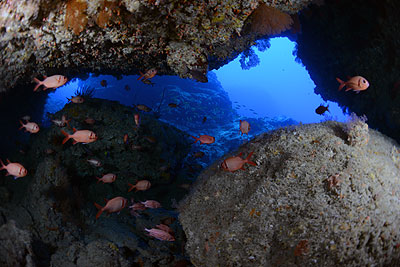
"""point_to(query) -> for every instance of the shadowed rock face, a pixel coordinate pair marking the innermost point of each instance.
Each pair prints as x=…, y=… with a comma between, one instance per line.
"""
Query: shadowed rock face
x=43, y=37
x=316, y=197
x=345, y=38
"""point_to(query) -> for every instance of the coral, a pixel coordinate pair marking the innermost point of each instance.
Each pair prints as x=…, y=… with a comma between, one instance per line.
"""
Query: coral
x=252, y=59
x=106, y=13
x=267, y=20
x=85, y=91
x=75, y=17
x=357, y=130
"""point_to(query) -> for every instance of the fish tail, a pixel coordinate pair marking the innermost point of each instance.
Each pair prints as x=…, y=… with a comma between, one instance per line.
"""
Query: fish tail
x=100, y=208
x=247, y=160
x=66, y=138
x=197, y=139
x=98, y=180
x=2, y=165
x=39, y=83
x=22, y=125
x=342, y=83
x=141, y=75
x=131, y=186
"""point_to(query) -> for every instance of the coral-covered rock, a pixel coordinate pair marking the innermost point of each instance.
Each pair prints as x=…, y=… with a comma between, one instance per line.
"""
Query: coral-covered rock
x=41, y=37
x=312, y=199
x=15, y=246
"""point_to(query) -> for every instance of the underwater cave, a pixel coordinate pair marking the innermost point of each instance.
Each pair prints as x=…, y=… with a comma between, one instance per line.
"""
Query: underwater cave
x=199, y=133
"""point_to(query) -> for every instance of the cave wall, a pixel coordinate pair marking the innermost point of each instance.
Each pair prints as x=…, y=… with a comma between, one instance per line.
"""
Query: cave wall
x=349, y=38
x=46, y=37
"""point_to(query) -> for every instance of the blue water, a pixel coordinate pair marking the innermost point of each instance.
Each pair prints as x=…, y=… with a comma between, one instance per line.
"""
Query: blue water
x=278, y=86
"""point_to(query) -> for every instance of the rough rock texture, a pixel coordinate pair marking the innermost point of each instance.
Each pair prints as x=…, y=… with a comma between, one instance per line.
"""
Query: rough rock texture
x=15, y=246
x=43, y=37
x=349, y=38
x=312, y=200
x=55, y=200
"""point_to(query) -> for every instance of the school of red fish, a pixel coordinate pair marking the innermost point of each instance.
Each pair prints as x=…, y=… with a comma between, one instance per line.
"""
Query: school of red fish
x=161, y=231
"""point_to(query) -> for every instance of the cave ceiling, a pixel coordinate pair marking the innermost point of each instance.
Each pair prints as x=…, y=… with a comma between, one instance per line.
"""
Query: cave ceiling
x=337, y=38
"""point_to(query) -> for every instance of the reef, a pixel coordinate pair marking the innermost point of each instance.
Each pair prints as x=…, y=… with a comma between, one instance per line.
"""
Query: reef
x=316, y=197
x=42, y=37
x=55, y=201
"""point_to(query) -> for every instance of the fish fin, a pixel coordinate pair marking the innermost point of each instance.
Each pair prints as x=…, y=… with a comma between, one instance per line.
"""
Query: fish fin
x=73, y=129
x=141, y=75
x=22, y=125
x=247, y=160
x=74, y=142
x=100, y=208
x=240, y=154
x=8, y=174
x=196, y=139
x=131, y=186
x=106, y=200
x=98, y=179
x=66, y=137
x=39, y=83
x=242, y=168
x=342, y=83
x=16, y=177
x=8, y=161
x=44, y=77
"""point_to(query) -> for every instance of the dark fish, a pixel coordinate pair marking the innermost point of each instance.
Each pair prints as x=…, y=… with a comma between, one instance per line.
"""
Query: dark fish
x=321, y=109
x=143, y=108
x=127, y=88
x=199, y=76
x=235, y=102
x=251, y=109
x=103, y=83
x=173, y=105
x=204, y=119
x=148, y=82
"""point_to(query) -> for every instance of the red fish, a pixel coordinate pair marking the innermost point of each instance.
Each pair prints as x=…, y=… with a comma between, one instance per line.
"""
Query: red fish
x=152, y=204
x=14, y=169
x=107, y=178
x=160, y=234
x=29, y=127
x=89, y=121
x=356, y=83
x=81, y=136
x=113, y=205
x=137, y=119
x=204, y=139
x=54, y=81
x=141, y=185
x=244, y=127
x=148, y=75
x=165, y=228
x=232, y=164
x=76, y=99
x=62, y=122
x=321, y=109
